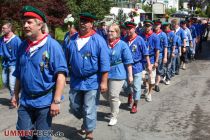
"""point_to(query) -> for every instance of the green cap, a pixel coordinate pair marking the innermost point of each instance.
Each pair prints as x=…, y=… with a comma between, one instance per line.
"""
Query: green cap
x=87, y=16
x=122, y=26
x=157, y=22
x=148, y=21
x=130, y=24
x=31, y=11
x=165, y=23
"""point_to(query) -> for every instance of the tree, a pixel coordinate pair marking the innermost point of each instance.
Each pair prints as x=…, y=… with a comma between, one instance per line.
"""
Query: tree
x=55, y=10
x=98, y=7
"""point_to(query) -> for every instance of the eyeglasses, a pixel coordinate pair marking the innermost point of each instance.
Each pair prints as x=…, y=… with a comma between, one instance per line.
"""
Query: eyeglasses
x=147, y=25
x=111, y=31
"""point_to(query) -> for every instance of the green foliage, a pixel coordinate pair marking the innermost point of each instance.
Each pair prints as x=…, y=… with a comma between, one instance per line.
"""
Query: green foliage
x=147, y=8
x=121, y=17
x=208, y=11
x=98, y=7
x=170, y=11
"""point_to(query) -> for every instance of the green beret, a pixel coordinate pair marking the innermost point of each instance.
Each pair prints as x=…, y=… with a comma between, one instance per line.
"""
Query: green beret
x=129, y=24
x=148, y=21
x=122, y=26
x=165, y=23
x=88, y=16
x=30, y=9
x=157, y=22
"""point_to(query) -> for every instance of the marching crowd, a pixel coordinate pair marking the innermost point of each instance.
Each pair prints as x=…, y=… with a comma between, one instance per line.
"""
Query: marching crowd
x=99, y=61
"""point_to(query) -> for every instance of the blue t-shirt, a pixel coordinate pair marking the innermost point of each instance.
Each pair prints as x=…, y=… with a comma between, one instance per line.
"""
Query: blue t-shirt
x=188, y=36
x=138, y=50
x=171, y=41
x=120, y=56
x=163, y=43
x=193, y=31
x=153, y=43
x=9, y=50
x=102, y=33
x=180, y=33
x=87, y=64
x=37, y=73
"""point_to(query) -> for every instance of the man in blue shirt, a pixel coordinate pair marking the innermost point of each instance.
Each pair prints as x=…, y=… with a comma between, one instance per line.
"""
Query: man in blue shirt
x=181, y=35
x=9, y=45
x=194, y=38
x=171, y=51
x=139, y=52
x=162, y=54
x=185, y=55
x=89, y=63
x=152, y=41
x=40, y=76
x=102, y=30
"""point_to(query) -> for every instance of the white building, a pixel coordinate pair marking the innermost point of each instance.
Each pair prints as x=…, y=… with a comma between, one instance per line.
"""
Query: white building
x=168, y=3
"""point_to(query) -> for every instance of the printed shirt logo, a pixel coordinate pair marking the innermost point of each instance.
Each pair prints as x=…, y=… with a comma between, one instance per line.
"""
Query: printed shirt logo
x=87, y=55
x=134, y=48
x=45, y=61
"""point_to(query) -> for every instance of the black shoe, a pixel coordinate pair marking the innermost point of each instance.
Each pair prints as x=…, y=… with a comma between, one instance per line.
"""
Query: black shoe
x=157, y=89
x=177, y=73
x=11, y=107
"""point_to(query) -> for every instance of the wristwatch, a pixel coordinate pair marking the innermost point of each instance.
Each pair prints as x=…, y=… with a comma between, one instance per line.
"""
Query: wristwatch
x=56, y=101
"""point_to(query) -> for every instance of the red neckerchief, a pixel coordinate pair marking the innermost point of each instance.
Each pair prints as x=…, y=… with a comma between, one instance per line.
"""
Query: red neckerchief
x=158, y=32
x=31, y=44
x=131, y=39
x=149, y=34
x=92, y=32
x=168, y=31
x=113, y=43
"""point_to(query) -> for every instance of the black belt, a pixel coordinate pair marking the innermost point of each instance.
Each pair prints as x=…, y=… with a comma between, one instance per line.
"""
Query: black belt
x=116, y=63
x=34, y=96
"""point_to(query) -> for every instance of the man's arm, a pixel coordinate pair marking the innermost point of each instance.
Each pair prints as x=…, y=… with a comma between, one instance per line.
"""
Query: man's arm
x=60, y=84
x=15, y=98
x=104, y=80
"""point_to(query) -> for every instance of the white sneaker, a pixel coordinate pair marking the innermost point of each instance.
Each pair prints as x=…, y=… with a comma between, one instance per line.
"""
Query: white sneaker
x=164, y=79
x=167, y=82
x=119, y=102
x=148, y=97
x=113, y=121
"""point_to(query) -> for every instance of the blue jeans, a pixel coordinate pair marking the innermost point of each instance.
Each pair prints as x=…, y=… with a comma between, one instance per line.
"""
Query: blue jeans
x=175, y=64
x=83, y=104
x=30, y=118
x=136, y=87
x=167, y=67
x=160, y=69
x=8, y=79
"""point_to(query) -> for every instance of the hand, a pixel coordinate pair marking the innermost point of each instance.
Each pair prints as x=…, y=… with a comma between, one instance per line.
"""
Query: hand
x=149, y=68
x=164, y=60
x=130, y=80
x=183, y=49
x=156, y=64
x=173, y=55
x=103, y=87
x=15, y=100
x=54, y=109
x=180, y=54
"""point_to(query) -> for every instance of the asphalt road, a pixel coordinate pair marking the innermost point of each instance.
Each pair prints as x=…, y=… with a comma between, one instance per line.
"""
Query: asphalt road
x=180, y=111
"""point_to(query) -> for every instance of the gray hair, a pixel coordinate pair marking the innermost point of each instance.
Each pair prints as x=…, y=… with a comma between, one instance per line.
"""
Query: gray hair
x=44, y=28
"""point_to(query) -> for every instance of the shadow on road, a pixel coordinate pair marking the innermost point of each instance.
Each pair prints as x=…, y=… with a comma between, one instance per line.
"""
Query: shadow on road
x=205, y=53
x=69, y=132
x=4, y=102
